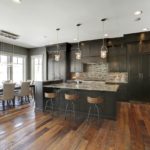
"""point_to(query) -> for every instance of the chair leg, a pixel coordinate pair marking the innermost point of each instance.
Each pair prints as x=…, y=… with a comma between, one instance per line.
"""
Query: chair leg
x=21, y=100
x=8, y=104
x=74, y=110
x=28, y=99
x=89, y=113
x=46, y=104
x=66, y=109
x=3, y=103
x=13, y=102
x=52, y=105
x=97, y=111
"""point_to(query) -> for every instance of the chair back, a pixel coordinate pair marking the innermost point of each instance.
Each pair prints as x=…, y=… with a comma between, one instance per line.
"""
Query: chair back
x=8, y=91
x=31, y=81
x=25, y=89
x=7, y=81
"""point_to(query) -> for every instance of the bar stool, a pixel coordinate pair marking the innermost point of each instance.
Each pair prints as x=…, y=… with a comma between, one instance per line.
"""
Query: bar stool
x=50, y=97
x=96, y=102
x=70, y=98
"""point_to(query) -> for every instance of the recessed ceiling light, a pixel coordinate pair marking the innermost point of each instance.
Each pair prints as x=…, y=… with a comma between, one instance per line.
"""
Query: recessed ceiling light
x=17, y=1
x=145, y=29
x=106, y=35
x=138, y=12
x=137, y=19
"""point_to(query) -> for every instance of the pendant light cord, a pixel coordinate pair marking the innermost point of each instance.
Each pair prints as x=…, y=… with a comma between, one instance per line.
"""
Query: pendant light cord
x=78, y=25
x=103, y=34
x=57, y=40
x=78, y=37
x=103, y=21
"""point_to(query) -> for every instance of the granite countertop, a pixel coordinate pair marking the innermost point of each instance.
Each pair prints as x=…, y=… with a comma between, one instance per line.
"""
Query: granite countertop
x=92, y=86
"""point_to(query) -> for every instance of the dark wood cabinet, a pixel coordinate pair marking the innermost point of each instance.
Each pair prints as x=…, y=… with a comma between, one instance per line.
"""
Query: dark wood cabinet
x=76, y=65
x=138, y=70
x=117, y=56
x=59, y=69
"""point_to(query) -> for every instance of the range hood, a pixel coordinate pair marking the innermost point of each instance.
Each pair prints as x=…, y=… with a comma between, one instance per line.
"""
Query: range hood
x=92, y=60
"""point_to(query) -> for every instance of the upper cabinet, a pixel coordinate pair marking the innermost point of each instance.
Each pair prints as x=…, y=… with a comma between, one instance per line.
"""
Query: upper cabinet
x=76, y=65
x=117, y=55
x=58, y=69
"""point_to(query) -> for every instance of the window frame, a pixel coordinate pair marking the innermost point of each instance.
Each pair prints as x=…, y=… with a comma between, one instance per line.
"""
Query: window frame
x=32, y=66
x=10, y=60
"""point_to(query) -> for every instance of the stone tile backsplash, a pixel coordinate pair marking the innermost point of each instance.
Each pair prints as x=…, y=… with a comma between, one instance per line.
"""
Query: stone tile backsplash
x=95, y=71
x=101, y=72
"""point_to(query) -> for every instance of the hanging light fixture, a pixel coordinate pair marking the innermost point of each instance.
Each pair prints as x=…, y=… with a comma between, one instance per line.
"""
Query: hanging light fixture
x=0, y=53
x=104, y=50
x=10, y=64
x=57, y=55
x=78, y=53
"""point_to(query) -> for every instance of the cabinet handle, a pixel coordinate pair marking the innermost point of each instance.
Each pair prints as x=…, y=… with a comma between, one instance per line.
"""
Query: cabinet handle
x=140, y=75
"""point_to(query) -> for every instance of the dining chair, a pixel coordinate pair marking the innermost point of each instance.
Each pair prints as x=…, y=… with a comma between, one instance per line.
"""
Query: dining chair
x=31, y=88
x=24, y=92
x=8, y=94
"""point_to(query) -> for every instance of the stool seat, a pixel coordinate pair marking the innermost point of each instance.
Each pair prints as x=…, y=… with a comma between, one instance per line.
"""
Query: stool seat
x=50, y=95
x=96, y=103
x=71, y=97
x=95, y=100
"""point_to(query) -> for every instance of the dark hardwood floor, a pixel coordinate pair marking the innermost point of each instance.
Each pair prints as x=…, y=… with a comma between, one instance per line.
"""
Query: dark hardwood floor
x=23, y=129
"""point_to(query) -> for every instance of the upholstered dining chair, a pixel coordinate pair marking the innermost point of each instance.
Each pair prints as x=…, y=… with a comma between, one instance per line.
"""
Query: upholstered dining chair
x=24, y=92
x=8, y=93
x=31, y=88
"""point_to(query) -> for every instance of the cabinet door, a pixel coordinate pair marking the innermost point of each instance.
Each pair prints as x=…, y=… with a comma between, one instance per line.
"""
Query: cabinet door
x=51, y=73
x=85, y=48
x=94, y=48
x=57, y=69
x=76, y=65
x=134, y=62
x=146, y=75
x=134, y=71
x=117, y=59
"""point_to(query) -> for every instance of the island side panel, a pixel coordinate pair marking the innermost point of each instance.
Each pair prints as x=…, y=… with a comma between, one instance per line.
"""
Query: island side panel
x=109, y=106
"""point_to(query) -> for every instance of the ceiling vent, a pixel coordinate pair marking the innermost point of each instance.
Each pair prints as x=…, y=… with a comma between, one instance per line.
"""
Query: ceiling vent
x=9, y=35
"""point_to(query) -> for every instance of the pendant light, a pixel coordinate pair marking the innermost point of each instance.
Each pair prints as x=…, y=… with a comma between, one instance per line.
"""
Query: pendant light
x=78, y=52
x=0, y=53
x=57, y=55
x=104, y=50
x=10, y=64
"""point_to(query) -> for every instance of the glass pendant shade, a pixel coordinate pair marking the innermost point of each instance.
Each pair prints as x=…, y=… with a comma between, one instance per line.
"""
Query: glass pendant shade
x=78, y=53
x=103, y=52
x=57, y=57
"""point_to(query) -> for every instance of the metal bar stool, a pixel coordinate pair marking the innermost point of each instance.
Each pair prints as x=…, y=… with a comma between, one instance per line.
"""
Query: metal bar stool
x=50, y=97
x=96, y=102
x=70, y=98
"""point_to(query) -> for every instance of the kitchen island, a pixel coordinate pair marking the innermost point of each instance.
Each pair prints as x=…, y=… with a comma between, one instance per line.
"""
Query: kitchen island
x=94, y=89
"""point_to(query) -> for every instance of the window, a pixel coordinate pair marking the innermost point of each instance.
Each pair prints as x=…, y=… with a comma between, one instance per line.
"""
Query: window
x=37, y=65
x=18, y=69
x=3, y=68
x=12, y=68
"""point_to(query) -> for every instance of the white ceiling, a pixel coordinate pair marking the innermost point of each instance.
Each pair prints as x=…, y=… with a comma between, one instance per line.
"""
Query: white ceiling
x=36, y=20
